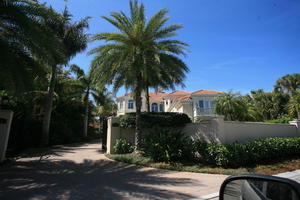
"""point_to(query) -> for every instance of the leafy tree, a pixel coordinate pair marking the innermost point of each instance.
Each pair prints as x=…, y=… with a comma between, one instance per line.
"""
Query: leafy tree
x=294, y=104
x=87, y=86
x=73, y=39
x=25, y=40
x=288, y=83
x=232, y=106
x=138, y=54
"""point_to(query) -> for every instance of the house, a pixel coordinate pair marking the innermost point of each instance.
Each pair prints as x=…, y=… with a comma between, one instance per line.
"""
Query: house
x=195, y=104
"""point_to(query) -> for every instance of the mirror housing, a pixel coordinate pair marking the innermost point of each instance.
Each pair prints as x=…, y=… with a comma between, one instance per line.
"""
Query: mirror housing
x=259, y=187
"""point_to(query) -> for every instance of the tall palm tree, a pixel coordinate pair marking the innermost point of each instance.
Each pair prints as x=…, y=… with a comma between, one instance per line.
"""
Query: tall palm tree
x=87, y=86
x=138, y=53
x=73, y=40
x=24, y=39
x=288, y=83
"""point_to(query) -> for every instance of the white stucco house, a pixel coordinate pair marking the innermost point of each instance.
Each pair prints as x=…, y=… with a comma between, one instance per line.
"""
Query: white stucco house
x=194, y=104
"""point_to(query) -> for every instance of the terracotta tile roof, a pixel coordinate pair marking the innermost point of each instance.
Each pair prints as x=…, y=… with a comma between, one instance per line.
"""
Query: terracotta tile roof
x=207, y=92
x=157, y=96
x=153, y=95
x=184, y=97
x=179, y=92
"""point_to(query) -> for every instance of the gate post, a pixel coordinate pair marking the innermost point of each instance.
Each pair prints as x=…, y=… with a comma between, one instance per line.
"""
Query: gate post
x=5, y=123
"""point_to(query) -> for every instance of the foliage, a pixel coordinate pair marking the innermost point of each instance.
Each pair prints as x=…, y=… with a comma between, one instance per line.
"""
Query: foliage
x=149, y=120
x=165, y=144
x=122, y=146
x=247, y=154
x=283, y=120
x=288, y=83
x=139, y=55
x=294, y=104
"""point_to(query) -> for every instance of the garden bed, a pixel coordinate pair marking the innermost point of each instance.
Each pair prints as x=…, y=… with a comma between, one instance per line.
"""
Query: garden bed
x=270, y=168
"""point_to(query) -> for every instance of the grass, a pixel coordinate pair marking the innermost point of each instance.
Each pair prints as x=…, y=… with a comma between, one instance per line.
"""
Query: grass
x=270, y=169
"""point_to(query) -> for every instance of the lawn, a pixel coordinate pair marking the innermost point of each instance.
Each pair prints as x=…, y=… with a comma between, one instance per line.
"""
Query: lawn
x=275, y=167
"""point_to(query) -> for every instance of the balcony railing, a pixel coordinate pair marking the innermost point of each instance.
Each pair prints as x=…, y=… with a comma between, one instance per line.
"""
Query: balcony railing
x=205, y=112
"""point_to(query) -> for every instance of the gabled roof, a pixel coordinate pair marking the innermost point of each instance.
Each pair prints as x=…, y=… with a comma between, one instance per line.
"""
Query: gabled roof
x=207, y=92
x=154, y=96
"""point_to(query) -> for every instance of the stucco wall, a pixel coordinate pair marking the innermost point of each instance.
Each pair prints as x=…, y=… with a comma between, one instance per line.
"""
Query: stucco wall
x=244, y=131
x=214, y=129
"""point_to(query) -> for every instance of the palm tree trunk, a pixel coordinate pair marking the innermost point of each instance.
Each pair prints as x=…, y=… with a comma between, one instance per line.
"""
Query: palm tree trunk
x=147, y=99
x=86, y=113
x=138, y=113
x=48, y=108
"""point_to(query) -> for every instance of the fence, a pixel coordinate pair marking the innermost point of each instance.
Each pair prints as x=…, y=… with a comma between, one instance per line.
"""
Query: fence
x=214, y=130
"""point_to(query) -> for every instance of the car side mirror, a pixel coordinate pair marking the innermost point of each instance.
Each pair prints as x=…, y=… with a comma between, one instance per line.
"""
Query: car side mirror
x=259, y=187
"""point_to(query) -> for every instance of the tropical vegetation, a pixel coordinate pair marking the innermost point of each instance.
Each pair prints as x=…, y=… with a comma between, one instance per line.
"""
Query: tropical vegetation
x=140, y=55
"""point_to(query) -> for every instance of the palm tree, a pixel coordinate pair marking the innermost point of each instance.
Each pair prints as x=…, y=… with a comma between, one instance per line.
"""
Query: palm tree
x=24, y=39
x=294, y=104
x=74, y=40
x=232, y=106
x=288, y=83
x=139, y=53
x=87, y=86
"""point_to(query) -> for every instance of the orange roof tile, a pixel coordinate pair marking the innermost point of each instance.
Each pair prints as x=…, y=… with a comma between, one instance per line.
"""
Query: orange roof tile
x=179, y=92
x=207, y=92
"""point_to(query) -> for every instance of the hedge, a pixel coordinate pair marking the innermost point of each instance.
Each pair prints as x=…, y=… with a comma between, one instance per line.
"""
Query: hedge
x=247, y=154
x=149, y=120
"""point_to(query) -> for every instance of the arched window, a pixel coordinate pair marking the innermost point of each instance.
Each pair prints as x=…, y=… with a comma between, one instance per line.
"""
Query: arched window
x=154, y=107
x=161, y=107
x=130, y=104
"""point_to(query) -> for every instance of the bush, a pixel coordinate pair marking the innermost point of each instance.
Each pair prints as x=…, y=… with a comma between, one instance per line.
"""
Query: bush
x=149, y=120
x=167, y=145
x=122, y=146
x=283, y=120
x=249, y=153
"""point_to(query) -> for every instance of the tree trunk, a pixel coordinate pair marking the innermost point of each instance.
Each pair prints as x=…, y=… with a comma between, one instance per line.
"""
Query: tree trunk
x=147, y=99
x=138, y=113
x=104, y=133
x=48, y=108
x=86, y=113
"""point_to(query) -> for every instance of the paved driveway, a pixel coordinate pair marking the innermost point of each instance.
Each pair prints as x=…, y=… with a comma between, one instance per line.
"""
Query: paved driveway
x=83, y=172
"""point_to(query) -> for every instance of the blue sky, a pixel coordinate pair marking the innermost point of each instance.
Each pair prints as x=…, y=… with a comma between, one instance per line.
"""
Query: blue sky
x=234, y=44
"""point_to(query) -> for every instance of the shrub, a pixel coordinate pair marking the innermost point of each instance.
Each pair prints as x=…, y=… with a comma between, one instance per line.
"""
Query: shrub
x=167, y=145
x=249, y=153
x=283, y=120
x=122, y=146
x=149, y=120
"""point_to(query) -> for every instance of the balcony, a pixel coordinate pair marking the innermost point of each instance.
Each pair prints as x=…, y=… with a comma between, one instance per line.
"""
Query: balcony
x=204, y=112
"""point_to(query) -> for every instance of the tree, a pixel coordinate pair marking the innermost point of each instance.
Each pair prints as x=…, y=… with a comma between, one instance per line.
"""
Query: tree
x=73, y=39
x=25, y=39
x=294, y=104
x=139, y=49
x=288, y=83
x=87, y=85
x=231, y=106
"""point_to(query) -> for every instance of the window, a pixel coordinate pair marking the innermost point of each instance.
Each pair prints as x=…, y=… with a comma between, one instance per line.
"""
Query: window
x=130, y=104
x=161, y=107
x=154, y=107
x=206, y=104
x=201, y=104
x=121, y=104
x=167, y=102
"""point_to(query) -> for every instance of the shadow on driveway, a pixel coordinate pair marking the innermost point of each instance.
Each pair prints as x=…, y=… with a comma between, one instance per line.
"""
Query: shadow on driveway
x=90, y=179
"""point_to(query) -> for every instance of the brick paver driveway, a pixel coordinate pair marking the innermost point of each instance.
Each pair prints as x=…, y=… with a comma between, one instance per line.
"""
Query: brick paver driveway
x=83, y=172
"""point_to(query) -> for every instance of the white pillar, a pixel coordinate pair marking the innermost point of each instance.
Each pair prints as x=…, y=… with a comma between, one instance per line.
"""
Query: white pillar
x=113, y=133
x=5, y=123
x=297, y=124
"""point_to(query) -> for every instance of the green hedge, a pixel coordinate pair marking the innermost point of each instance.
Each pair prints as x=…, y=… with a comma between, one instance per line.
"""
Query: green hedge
x=122, y=146
x=249, y=153
x=284, y=120
x=149, y=120
x=167, y=145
